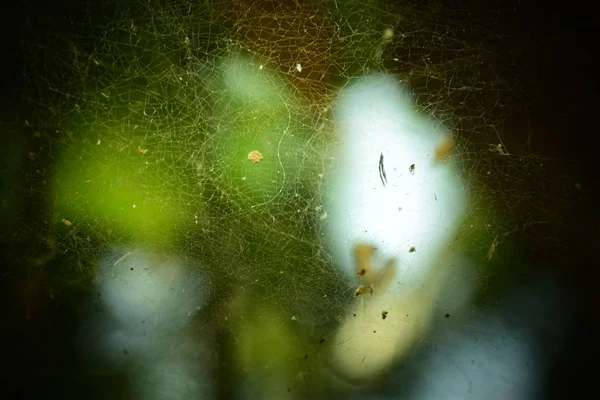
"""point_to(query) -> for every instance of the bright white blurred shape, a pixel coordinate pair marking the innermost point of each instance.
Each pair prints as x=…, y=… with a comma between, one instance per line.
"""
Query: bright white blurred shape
x=500, y=351
x=148, y=287
x=486, y=359
x=421, y=207
x=142, y=328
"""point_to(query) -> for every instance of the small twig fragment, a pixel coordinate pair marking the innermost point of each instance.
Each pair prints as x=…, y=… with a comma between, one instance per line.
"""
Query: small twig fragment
x=382, y=174
x=492, y=249
x=122, y=258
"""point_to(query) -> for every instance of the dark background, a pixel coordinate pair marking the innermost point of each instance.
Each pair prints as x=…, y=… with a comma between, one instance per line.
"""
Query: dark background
x=556, y=69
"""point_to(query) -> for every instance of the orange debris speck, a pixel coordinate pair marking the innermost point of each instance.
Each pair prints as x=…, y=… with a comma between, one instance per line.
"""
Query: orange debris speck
x=444, y=149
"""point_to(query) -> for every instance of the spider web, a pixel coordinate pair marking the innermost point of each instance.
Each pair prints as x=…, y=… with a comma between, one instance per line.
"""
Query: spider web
x=142, y=129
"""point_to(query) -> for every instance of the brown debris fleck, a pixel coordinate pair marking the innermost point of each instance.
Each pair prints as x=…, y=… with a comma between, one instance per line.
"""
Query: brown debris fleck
x=363, y=289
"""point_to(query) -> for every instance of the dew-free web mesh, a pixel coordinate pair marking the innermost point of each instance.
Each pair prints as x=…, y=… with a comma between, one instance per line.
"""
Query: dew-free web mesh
x=146, y=116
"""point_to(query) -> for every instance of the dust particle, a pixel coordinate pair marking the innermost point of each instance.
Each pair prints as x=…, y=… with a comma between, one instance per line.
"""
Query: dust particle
x=255, y=156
